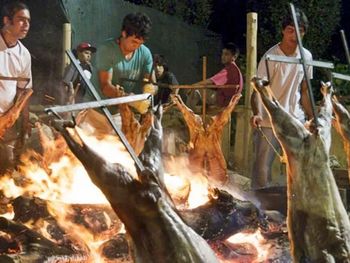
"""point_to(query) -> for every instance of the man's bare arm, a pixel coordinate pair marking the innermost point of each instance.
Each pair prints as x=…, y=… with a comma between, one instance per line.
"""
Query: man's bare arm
x=108, y=89
x=305, y=100
x=255, y=103
x=204, y=82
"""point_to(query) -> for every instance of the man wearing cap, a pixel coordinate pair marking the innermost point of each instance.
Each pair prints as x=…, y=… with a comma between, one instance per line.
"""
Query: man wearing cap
x=71, y=76
x=124, y=63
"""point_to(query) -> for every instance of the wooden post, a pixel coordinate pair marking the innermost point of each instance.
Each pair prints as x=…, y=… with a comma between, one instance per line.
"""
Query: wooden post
x=243, y=146
x=252, y=29
x=204, y=77
x=67, y=44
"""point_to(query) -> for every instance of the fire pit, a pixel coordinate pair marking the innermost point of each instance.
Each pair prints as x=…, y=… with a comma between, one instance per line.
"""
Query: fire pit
x=58, y=213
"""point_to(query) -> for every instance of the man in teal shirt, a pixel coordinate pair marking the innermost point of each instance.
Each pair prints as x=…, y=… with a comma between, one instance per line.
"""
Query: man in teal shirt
x=124, y=63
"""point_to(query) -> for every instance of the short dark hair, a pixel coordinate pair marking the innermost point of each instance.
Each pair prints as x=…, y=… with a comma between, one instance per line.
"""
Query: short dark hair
x=138, y=24
x=232, y=48
x=160, y=60
x=11, y=8
x=301, y=18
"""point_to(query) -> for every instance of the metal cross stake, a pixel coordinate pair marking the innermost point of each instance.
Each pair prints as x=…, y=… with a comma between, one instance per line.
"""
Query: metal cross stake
x=302, y=56
x=335, y=75
x=302, y=61
x=101, y=104
x=346, y=48
x=98, y=104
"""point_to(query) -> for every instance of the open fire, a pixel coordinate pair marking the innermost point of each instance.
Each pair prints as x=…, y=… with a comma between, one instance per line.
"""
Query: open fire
x=67, y=209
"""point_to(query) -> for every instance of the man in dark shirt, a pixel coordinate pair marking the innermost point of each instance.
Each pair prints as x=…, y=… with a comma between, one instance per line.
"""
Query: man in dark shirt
x=84, y=53
x=164, y=76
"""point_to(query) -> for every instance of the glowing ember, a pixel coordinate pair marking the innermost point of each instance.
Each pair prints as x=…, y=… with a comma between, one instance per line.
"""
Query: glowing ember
x=255, y=239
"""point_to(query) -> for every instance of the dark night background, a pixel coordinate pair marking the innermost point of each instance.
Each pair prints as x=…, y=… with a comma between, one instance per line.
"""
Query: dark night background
x=229, y=19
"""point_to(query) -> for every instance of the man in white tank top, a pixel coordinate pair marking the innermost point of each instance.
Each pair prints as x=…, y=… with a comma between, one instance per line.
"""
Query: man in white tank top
x=15, y=62
x=289, y=87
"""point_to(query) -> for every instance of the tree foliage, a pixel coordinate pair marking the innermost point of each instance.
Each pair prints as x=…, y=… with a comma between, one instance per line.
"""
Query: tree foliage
x=323, y=16
x=191, y=11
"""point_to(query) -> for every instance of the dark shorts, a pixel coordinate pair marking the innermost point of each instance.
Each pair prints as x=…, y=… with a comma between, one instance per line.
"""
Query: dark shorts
x=7, y=149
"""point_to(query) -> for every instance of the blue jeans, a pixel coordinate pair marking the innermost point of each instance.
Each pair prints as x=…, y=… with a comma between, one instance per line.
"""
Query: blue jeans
x=264, y=156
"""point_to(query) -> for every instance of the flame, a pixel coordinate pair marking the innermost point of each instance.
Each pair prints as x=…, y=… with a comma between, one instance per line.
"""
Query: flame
x=179, y=175
x=256, y=239
x=79, y=233
x=68, y=183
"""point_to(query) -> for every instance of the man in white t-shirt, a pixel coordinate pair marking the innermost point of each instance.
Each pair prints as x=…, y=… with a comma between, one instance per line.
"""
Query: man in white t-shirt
x=15, y=64
x=289, y=87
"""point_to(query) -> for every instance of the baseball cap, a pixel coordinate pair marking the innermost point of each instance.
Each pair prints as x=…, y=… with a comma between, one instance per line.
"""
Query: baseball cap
x=85, y=45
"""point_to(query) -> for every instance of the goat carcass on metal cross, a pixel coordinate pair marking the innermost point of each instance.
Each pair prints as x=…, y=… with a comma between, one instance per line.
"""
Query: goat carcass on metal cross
x=143, y=204
x=318, y=225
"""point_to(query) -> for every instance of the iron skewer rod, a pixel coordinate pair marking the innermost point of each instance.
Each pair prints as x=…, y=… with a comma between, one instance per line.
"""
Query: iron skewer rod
x=170, y=86
x=303, y=62
x=98, y=104
x=346, y=48
x=14, y=78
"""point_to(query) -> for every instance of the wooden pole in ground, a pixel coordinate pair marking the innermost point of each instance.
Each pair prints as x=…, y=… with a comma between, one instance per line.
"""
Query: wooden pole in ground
x=252, y=28
x=67, y=44
x=204, y=77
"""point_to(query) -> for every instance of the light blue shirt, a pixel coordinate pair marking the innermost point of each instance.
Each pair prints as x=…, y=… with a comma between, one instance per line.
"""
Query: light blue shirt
x=110, y=58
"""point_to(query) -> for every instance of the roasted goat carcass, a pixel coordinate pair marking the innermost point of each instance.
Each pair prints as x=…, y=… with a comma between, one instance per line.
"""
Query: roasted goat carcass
x=8, y=119
x=135, y=130
x=143, y=204
x=342, y=126
x=205, y=152
x=318, y=225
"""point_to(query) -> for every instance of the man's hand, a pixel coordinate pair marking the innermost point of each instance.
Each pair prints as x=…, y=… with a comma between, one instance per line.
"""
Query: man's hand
x=255, y=121
x=107, y=88
x=113, y=90
x=141, y=106
x=150, y=88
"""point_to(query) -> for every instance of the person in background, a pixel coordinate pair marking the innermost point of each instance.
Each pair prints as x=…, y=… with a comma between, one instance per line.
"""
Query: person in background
x=125, y=63
x=230, y=74
x=15, y=62
x=71, y=76
x=287, y=82
x=164, y=76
